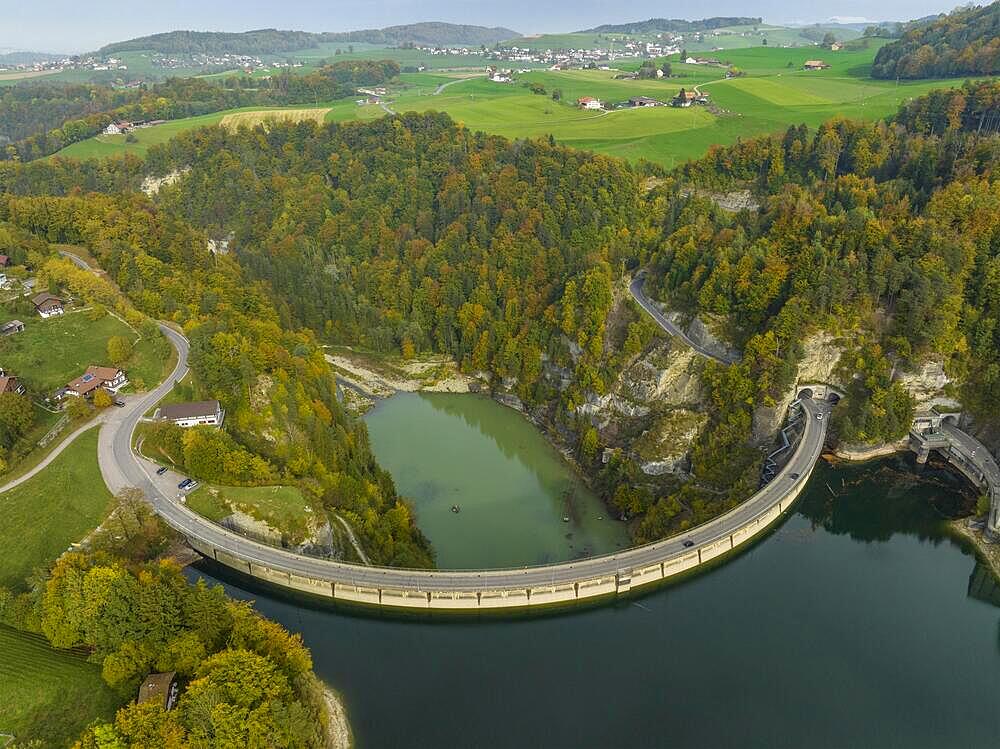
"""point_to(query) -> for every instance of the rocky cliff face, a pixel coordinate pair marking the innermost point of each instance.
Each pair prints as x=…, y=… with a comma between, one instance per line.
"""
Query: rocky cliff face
x=929, y=386
x=820, y=354
x=654, y=410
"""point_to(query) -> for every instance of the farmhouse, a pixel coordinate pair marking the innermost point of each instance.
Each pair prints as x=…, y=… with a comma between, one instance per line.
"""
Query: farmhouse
x=118, y=127
x=199, y=413
x=12, y=327
x=836, y=47
x=684, y=99
x=814, y=65
x=160, y=689
x=644, y=101
x=589, y=102
x=47, y=304
x=111, y=379
x=10, y=384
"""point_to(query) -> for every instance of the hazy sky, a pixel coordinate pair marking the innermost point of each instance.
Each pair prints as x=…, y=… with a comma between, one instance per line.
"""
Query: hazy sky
x=84, y=25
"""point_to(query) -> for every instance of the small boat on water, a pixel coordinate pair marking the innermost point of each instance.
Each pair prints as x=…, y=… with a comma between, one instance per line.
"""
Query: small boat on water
x=454, y=508
x=565, y=518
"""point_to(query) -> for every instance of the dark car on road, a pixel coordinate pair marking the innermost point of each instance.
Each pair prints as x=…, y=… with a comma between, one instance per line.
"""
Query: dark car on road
x=688, y=543
x=120, y=403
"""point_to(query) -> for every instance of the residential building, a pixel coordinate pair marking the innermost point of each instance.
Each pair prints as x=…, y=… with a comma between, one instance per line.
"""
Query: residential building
x=117, y=128
x=160, y=689
x=198, y=413
x=12, y=327
x=644, y=101
x=589, y=102
x=10, y=384
x=111, y=379
x=684, y=99
x=815, y=65
x=47, y=304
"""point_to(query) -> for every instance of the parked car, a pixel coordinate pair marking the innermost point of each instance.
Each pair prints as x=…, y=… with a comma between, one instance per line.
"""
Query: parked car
x=161, y=470
x=185, y=484
x=120, y=403
x=192, y=486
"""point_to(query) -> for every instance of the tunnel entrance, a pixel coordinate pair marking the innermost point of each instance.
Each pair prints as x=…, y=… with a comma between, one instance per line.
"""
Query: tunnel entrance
x=806, y=393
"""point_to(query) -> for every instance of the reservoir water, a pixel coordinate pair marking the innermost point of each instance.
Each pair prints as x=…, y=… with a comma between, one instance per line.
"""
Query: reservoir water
x=858, y=622
x=518, y=501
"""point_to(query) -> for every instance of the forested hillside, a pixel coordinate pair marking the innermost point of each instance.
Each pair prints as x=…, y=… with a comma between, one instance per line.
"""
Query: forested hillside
x=276, y=42
x=966, y=42
x=656, y=25
x=411, y=233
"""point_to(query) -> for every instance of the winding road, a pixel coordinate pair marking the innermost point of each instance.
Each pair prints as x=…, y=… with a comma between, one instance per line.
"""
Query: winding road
x=635, y=288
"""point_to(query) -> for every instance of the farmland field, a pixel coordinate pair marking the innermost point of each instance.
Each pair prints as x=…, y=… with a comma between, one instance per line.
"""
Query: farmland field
x=48, y=695
x=47, y=513
x=264, y=116
x=773, y=93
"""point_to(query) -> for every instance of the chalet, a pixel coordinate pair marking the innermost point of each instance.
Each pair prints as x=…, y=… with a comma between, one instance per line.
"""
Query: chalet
x=160, y=689
x=836, y=47
x=815, y=65
x=111, y=379
x=589, y=102
x=644, y=101
x=684, y=99
x=12, y=327
x=199, y=413
x=47, y=305
x=10, y=384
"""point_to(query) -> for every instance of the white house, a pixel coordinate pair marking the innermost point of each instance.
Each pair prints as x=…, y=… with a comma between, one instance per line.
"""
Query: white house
x=589, y=102
x=199, y=413
x=111, y=379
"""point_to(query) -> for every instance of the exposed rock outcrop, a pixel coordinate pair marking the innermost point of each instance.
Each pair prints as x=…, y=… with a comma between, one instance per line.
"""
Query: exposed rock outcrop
x=665, y=446
x=929, y=385
x=152, y=185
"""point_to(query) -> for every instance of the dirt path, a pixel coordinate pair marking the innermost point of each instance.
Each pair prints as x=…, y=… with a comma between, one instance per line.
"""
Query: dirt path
x=354, y=540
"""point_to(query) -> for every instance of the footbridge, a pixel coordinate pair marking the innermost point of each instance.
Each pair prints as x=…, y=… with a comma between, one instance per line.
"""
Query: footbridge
x=566, y=583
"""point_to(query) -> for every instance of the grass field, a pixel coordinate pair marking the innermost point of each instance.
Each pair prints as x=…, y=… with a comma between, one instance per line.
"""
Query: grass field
x=265, y=116
x=44, y=515
x=48, y=695
x=775, y=93
x=50, y=353
x=282, y=507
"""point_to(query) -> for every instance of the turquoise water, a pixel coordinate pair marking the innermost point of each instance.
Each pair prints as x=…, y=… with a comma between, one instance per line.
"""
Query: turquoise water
x=519, y=502
x=857, y=623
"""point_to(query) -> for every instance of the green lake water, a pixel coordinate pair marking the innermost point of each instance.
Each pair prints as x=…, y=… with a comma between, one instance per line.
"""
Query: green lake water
x=519, y=502
x=858, y=622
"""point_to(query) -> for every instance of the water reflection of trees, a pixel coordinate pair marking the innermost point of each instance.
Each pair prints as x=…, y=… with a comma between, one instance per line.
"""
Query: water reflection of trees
x=511, y=435
x=874, y=503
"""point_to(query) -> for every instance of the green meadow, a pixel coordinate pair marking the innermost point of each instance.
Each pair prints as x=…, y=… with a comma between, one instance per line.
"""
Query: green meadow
x=775, y=92
x=48, y=512
x=48, y=696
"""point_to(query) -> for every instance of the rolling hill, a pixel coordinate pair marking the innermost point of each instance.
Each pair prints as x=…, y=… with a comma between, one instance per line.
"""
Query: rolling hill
x=276, y=41
x=656, y=25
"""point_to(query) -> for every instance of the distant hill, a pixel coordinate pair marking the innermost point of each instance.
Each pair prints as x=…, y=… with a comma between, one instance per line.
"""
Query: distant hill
x=966, y=42
x=658, y=25
x=275, y=41
x=27, y=58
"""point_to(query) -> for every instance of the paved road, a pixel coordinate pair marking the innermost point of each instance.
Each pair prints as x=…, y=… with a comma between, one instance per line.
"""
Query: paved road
x=977, y=453
x=443, y=86
x=635, y=288
x=121, y=467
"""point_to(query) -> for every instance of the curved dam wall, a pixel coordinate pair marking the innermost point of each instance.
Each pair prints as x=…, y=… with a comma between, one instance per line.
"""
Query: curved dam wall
x=558, y=584
x=505, y=596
